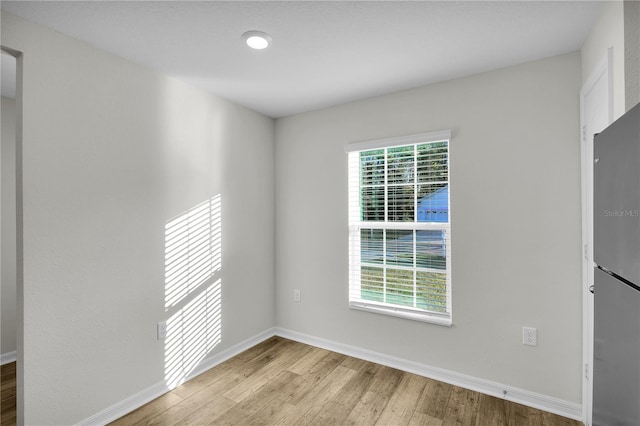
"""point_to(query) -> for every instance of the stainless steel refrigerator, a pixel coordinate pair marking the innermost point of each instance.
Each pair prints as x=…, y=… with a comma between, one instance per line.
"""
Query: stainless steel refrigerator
x=616, y=375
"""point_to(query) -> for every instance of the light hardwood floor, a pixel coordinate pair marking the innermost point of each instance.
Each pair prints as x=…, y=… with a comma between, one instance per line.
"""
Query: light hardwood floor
x=8, y=394
x=281, y=382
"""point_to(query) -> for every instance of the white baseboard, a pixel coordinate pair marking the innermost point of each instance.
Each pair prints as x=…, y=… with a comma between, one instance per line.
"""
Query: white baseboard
x=149, y=394
x=7, y=358
x=520, y=396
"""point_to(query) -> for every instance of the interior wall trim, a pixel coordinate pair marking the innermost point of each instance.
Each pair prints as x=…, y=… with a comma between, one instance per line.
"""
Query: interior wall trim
x=137, y=400
x=509, y=393
x=7, y=358
x=542, y=402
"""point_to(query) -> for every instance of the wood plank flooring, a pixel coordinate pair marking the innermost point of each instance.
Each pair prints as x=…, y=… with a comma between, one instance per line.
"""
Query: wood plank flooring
x=8, y=394
x=281, y=382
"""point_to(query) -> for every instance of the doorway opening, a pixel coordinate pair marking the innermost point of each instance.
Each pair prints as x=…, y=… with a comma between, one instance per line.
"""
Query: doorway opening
x=11, y=342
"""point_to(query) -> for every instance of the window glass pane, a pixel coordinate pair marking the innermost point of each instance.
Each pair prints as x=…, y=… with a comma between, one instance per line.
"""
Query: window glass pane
x=401, y=203
x=432, y=162
x=371, y=287
x=400, y=165
x=433, y=203
x=372, y=167
x=431, y=249
x=432, y=291
x=397, y=265
x=372, y=204
x=399, y=287
x=400, y=247
x=371, y=245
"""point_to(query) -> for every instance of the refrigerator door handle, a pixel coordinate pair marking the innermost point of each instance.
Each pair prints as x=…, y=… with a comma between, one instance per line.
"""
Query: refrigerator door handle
x=618, y=277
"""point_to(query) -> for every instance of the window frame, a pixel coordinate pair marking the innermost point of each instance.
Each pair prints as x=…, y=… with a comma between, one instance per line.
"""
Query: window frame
x=356, y=224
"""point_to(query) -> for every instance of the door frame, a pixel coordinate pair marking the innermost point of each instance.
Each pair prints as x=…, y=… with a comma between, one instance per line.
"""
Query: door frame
x=604, y=70
x=19, y=237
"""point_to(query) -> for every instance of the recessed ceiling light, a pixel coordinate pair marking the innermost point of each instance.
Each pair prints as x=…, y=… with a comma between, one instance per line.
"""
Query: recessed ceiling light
x=257, y=39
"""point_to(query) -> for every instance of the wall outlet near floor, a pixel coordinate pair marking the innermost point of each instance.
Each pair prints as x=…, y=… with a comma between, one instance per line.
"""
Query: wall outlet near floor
x=296, y=295
x=529, y=336
x=162, y=330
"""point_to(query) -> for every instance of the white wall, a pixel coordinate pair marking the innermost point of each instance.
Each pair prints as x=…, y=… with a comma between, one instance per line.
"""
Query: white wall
x=608, y=31
x=8, y=214
x=112, y=152
x=515, y=200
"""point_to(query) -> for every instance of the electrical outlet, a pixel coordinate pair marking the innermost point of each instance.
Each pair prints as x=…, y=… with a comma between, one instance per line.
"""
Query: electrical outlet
x=162, y=330
x=529, y=336
x=296, y=295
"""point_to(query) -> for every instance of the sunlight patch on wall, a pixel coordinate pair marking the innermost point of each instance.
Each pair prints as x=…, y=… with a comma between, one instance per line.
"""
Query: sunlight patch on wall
x=192, y=333
x=193, y=288
x=193, y=250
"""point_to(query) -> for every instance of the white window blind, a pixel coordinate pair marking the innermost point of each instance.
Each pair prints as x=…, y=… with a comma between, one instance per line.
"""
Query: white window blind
x=399, y=227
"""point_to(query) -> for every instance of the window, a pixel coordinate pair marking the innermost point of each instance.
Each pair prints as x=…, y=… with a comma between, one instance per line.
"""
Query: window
x=399, y=227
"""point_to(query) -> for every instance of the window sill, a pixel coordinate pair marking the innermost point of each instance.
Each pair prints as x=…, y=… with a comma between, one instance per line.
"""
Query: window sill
x=415, y=316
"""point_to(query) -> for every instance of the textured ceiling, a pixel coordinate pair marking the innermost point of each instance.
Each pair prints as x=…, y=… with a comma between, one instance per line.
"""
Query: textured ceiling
x=323, y=52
